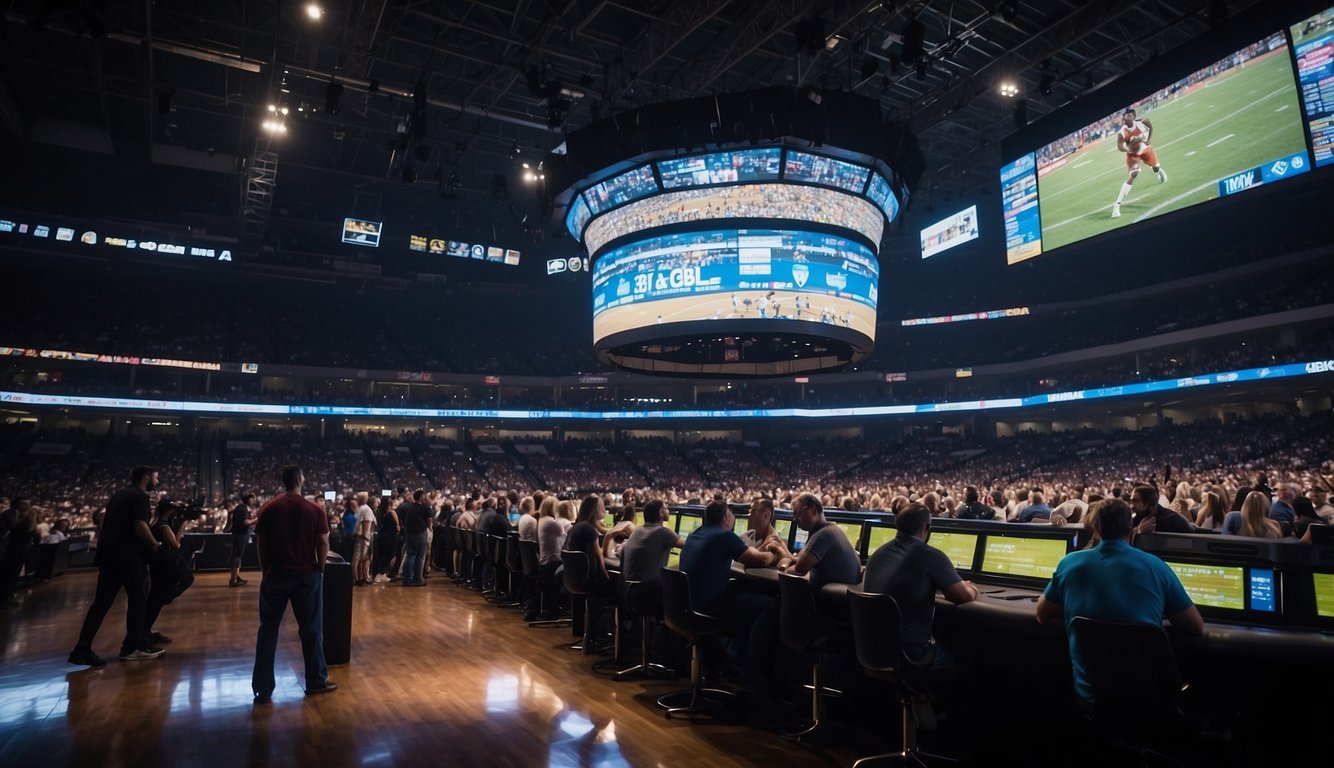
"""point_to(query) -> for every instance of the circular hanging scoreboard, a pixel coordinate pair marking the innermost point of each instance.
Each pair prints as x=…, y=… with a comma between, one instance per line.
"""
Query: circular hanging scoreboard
x=751, y=260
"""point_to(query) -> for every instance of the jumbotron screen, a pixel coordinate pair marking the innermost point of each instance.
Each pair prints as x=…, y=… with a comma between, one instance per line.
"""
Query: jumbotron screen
x=577, y=217
x=778, y=275
x=721, y=168
x=1224, y=129
x=1313, y=43
x=617, y=190
x=741, y=201
x=950, y=231
x=818, y=169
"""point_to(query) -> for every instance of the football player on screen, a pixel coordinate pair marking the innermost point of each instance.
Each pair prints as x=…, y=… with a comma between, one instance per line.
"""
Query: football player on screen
x=1133, y=139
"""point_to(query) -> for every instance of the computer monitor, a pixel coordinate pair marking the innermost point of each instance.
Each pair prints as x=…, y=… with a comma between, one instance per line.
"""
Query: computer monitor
x=854, y=533
x=609, y=520
x=1021, y=557
x=739, y=524
x=1323, y=587
x=674, y=558
x=1226, y=590
x=961, y=548
x=784, y=529
x=639, y=519
x=687, y=523
x=878, y=534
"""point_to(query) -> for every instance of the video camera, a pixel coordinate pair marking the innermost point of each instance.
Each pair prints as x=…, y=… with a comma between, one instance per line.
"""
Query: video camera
x=185, y=510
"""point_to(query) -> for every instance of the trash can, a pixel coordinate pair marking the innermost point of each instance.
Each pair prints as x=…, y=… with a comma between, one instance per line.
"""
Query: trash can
x=337, y=610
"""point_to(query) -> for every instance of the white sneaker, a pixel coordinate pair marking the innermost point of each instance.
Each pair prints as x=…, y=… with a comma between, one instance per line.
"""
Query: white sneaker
x=142, y=654
x=1116, y=211
x=1162, y=177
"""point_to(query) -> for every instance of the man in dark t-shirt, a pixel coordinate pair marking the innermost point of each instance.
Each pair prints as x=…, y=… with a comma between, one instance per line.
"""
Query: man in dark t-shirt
x=292, y=541
x=910, y=571
x=124, y=544
x=707, y=556
x=1150, y=516
x=414, y=516
x=828, y=556
x=238, y=525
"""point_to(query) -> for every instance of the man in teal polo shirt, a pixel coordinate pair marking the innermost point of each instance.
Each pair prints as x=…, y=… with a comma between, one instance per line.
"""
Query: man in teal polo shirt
x=1114, y=581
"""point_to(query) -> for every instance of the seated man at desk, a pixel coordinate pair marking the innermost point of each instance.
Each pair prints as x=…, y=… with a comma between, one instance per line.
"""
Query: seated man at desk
x=828, y=556
x=1114, y=581
x=707, y=557
x=911, y=571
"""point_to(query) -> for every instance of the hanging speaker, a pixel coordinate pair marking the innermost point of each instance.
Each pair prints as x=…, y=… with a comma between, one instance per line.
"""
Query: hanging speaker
x=333, y=94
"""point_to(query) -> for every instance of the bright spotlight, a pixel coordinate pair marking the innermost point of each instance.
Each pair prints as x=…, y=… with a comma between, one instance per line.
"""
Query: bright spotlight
x=314, y=11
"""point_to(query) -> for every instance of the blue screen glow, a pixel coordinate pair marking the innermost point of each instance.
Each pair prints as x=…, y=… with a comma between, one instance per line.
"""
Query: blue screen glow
x=721, y=168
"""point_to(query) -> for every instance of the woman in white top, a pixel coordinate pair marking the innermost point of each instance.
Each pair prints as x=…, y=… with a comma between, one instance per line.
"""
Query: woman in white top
x=1212, y=512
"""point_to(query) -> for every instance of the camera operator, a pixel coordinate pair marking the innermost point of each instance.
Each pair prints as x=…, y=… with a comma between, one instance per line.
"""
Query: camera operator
x=170, y=572
x=124, y=543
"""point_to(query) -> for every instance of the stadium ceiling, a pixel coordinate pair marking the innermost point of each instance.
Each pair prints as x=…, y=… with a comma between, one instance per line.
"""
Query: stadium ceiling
x=189, y=82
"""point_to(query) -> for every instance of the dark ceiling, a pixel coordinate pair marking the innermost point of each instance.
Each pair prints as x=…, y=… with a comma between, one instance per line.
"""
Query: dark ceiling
x=188, y=82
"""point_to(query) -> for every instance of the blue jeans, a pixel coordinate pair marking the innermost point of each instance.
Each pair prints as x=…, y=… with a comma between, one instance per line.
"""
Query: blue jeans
x=413, y=561
x=306, y=593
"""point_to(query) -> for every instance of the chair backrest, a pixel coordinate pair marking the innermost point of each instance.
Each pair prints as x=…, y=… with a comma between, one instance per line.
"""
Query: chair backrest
x=574, y=574
x=496, y=550
x=798, y=618
x=877, y=633
x=528, y=556
x=513, y=560
x=1130, y=667
x=677, y=611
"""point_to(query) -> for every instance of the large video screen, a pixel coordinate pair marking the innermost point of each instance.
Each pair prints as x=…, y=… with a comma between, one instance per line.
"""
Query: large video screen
x=754, y=201
x=1227, y=128
x=362, y=232
x=628, y=186
x=439, y=246
x=949, y=232
x=730, y=274
x=721, y=168
x=1313, y=43
x=577, y=216
x=880, y=192
x=818, y=169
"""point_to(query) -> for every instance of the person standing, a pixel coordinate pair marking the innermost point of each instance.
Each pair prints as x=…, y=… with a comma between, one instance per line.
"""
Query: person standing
x=415, y=516
x=361, y=543
x=292, y=542
x=20, y=525
x=1132, y=139
x=239, y=527
x=124, y=544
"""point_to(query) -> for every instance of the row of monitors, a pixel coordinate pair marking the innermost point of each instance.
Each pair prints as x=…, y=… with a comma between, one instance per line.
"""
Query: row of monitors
x=1242, y=590
x=729, y=167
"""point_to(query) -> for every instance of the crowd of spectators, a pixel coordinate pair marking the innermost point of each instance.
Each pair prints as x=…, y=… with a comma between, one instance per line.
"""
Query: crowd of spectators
x=69, y=473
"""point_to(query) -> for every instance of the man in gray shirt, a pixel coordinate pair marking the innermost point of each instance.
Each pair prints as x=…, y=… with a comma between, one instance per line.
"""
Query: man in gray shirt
x=827, y=556
x=645, y=553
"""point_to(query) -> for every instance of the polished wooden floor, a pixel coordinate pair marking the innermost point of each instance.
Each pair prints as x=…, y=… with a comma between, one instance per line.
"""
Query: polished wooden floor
x=438, y=677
